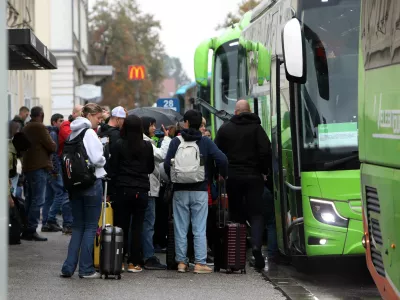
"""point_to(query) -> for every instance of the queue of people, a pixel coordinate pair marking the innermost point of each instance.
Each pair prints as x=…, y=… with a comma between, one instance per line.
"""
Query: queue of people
x=134, y=164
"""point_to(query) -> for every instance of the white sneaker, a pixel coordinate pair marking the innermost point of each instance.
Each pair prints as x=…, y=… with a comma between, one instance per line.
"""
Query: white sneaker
x=95, y=275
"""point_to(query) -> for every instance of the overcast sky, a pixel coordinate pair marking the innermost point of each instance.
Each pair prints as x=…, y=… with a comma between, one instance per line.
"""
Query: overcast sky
x=186, y=23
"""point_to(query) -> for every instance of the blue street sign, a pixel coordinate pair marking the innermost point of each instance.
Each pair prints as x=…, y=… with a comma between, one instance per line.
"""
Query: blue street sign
x=171, y=103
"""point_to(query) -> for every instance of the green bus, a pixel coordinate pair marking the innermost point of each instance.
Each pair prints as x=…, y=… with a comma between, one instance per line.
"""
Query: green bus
x=379, y=141
x=223, y=78
x=310, y=117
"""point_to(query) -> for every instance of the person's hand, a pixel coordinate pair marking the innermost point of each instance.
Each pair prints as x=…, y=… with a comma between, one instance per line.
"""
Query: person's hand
x=172, y=131
x=10, y=201
x=166, y=131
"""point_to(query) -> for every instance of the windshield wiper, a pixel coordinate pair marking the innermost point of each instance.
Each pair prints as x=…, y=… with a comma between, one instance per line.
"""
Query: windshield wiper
x=338, y=162
x=221, y=114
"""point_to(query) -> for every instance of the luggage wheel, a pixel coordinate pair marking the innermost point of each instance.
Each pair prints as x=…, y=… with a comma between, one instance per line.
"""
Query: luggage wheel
x=216, y=269
x=243, y=272
x=119, y=277
x=229, y=271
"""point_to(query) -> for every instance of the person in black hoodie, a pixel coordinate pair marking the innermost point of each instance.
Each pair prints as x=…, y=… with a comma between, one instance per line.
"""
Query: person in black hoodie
x=110, y=134
x=132, y=164
x=190, y=200
x=248, y=149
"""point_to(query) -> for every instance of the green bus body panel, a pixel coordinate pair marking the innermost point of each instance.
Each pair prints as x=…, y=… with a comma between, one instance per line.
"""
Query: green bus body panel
x=381, y=109
x=379, y=136
x=324, y=186
x=201, y=57
x=386, y=181
x=379, y=147
x=201, y=62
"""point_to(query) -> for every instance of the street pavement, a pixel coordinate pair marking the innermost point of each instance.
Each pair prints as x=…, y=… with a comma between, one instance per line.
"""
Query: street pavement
x=324, y=278
x=34, y=269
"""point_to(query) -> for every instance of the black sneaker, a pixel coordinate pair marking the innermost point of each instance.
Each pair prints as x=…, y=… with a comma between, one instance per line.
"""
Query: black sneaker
x=153, y=263
x=259, y=262
x=210, y=260
x=67, y=230
x=33, y=237
x=51, y=227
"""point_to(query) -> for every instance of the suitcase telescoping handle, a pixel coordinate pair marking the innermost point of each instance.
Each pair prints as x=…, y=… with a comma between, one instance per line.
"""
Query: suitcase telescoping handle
x=103, y=225
x=221, y=192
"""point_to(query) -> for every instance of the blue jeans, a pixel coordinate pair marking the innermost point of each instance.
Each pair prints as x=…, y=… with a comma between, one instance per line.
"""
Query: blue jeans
x=36, y=190
x=56, y=199
x=270, y=223
x=86, y=209
x=190, y=206
x=148, y=229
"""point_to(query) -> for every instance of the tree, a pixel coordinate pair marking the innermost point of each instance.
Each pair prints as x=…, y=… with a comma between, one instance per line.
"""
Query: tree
x=173, y=69
x=243, y=7
x=121, y=35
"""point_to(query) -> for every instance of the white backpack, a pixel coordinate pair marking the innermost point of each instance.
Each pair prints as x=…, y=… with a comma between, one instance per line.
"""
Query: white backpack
x=187, y=166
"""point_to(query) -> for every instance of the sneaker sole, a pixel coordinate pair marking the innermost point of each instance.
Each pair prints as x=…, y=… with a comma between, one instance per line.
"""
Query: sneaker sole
x=134, y=271
x=94, y=277
x=183, y=270
x=202, y=272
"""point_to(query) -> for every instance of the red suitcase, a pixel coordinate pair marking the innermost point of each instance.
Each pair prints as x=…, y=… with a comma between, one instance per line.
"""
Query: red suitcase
x=230, y=244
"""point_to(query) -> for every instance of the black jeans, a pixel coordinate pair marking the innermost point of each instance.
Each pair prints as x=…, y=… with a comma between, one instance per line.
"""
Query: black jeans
x=246, y=203
x=130, y=203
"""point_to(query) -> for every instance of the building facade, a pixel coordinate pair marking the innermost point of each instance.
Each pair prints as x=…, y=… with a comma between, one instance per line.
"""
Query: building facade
x=65, y=24
x=21, y=90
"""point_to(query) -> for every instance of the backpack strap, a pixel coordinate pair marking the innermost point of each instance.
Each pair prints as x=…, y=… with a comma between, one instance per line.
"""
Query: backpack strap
x=182, y=140
x=80, y=136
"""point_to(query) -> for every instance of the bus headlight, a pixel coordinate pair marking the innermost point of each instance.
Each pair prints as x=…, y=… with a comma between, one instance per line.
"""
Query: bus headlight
x=325, y=212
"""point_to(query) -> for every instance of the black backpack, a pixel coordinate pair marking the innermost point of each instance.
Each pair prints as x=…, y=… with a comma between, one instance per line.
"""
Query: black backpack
x=77, y=173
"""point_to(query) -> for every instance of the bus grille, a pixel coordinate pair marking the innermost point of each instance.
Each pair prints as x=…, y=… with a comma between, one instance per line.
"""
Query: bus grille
x=374, y=229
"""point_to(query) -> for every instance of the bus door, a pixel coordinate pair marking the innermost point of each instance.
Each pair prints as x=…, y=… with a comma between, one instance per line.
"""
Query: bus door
x=287, y=196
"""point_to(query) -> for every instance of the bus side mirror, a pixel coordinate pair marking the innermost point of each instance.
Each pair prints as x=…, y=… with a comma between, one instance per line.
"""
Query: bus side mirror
x=294, y=52
x=264, y=64
x=201, y=62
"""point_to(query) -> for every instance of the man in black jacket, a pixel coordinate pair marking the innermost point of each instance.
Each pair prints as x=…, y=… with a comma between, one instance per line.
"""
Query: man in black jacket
x=248, y=149
x=110, y=134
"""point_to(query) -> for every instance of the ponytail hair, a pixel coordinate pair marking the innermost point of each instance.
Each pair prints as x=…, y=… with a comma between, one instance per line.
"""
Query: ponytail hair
x=91, y=109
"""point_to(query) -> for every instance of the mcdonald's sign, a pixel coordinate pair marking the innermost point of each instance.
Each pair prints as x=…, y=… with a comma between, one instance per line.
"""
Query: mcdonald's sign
x=136, y=72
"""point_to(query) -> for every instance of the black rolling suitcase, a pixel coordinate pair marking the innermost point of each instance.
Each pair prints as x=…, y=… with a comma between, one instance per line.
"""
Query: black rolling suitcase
x=111, y=246
x=230, y=241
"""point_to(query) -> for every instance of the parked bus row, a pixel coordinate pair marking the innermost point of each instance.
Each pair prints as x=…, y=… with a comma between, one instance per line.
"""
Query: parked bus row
x=324, y=89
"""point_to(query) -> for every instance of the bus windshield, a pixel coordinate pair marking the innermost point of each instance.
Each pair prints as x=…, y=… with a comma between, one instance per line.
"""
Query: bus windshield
x=329, y=97
x=225, y=78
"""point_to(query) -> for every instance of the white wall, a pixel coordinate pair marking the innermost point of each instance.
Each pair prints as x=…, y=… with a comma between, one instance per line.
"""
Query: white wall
x=43, y=77
x=84, y=33
x=62, y=87
x=61, y=25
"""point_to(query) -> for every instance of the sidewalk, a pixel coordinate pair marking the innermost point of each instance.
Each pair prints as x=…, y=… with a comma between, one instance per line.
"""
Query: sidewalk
x=34, y=269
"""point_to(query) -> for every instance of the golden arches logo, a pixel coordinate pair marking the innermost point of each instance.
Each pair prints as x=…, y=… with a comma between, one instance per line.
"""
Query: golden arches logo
x=136, y=72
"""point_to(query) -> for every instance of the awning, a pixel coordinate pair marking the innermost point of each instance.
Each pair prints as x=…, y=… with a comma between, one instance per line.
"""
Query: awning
x=27, y=52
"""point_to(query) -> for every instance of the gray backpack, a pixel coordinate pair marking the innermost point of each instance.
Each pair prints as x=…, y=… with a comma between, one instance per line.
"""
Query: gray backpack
x=187, y=167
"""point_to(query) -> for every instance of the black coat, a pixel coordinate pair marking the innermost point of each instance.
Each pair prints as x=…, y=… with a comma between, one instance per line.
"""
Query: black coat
x=132, y=170
x=246, y=145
